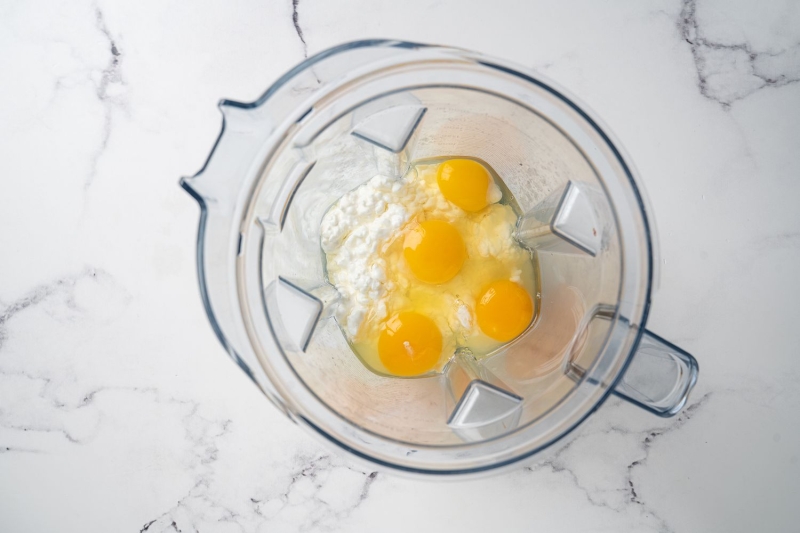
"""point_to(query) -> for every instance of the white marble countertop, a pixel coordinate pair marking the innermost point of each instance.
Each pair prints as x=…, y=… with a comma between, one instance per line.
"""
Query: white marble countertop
x=119, y=411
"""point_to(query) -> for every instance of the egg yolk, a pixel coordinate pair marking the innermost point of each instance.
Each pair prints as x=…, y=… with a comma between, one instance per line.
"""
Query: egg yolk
x=504, y=310
x=435, y=251
x=465, y=183
x=410, y=344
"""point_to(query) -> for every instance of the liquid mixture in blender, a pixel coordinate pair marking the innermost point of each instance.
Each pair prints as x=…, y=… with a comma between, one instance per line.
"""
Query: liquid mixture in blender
x=426, y=265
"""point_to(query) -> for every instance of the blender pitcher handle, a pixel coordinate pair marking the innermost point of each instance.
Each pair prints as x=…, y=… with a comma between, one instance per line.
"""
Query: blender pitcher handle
x=660, y=376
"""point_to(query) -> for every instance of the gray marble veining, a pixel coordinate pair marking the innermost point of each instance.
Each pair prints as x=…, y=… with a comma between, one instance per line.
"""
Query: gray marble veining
x=118, y=409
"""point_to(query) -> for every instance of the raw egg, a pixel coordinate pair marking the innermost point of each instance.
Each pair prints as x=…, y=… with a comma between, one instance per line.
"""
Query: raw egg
x=504, y=310
x=467, y=184
x=434, y=251
x=410, y=344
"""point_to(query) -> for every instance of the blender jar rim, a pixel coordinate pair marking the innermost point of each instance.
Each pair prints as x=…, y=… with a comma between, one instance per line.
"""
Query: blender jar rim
x=285, y=397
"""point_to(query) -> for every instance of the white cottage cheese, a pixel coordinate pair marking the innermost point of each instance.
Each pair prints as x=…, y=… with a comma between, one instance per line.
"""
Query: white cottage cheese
x=352, y=232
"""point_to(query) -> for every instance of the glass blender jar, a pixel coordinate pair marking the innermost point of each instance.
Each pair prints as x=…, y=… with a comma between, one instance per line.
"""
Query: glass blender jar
x=375, y=107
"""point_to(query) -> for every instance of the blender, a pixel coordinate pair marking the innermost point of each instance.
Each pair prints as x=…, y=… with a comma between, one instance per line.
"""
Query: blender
x=377, y=107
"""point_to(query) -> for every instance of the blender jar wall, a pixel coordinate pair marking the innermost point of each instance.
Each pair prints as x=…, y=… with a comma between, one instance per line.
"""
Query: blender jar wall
x=533, y=158
x=282, y=127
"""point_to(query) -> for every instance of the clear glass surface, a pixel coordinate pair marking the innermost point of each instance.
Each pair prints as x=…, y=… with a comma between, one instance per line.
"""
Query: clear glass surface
x=374, y=107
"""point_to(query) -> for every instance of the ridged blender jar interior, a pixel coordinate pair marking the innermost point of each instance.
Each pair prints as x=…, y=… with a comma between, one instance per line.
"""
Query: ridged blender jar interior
x=376, y=107
x=383, y=136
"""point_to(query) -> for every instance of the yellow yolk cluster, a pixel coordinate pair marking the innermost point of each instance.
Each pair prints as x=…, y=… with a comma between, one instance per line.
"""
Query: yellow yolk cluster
x=452, y=276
